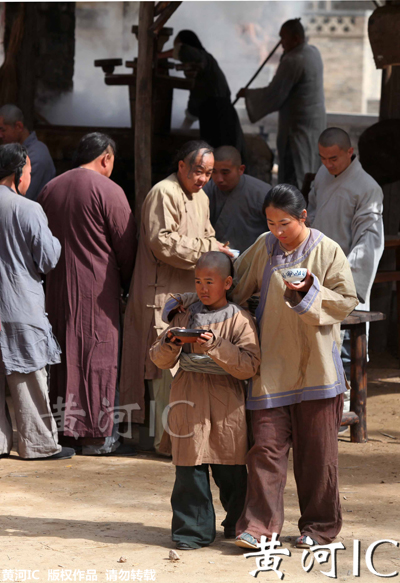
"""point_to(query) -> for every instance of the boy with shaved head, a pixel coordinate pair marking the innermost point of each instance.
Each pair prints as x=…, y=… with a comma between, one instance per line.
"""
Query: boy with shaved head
x=236, y=200
x=206, y=421
x=346, y=204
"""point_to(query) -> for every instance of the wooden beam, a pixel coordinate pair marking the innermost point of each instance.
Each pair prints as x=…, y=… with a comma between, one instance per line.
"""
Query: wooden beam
x=164, y=16
x=143, y=111
x=160, y=7
x=385, y=276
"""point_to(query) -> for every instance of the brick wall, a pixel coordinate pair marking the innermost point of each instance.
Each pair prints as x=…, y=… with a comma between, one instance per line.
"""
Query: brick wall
x=351, y=83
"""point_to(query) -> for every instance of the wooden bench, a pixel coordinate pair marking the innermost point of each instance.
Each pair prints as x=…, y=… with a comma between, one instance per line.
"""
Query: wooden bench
x=356, y=322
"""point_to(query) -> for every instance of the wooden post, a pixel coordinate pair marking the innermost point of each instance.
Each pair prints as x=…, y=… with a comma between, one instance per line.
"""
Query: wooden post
x=26, y=65
x=398, y=300
x=358, y=377
x=390, y=109
x=143, y=117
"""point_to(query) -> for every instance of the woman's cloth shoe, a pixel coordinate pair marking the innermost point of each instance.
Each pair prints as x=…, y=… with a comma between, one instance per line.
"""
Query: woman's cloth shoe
x=305, y=542
x=246, y=541
x=185, y=547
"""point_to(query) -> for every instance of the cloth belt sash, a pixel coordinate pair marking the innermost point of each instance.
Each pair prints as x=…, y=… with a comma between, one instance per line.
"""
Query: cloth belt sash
x=200, y=363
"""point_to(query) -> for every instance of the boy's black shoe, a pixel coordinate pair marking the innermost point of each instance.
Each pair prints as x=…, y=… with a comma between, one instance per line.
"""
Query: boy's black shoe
x=185, y=547
x=230, y=532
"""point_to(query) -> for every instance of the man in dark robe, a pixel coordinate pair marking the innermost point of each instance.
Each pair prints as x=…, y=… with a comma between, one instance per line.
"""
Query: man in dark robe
x=210, y=97
x=91, y=217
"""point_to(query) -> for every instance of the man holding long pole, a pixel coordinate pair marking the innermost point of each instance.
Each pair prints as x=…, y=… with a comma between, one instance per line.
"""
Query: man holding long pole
x=296, y=91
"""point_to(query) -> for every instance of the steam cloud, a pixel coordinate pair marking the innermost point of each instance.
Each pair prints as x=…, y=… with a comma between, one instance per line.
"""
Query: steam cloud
x=237, y=34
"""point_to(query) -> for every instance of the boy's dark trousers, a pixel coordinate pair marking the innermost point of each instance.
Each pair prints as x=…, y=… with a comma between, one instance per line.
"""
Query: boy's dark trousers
x=193, y=518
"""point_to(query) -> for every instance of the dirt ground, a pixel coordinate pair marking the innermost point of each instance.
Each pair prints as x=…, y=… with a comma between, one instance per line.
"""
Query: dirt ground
x=86, y=513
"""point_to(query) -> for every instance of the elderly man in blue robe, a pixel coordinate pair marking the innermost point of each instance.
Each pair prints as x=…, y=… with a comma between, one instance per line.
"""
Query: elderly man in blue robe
x=27, y=345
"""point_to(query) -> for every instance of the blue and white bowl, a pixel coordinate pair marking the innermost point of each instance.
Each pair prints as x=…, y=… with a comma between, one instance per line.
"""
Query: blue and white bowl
x=294, y=275
x=235, y=253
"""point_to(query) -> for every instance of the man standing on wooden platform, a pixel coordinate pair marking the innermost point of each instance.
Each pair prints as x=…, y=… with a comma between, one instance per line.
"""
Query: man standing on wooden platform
x=175, y=232
x=346, y=204
x=297, y=92
x=236, y=200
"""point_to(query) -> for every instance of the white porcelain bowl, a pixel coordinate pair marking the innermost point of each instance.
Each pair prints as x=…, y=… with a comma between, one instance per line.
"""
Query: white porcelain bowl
x=294, y=275
x=235, y=253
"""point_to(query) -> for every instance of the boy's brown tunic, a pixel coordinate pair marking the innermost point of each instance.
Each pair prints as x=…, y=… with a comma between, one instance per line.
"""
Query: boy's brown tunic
x=207, y=418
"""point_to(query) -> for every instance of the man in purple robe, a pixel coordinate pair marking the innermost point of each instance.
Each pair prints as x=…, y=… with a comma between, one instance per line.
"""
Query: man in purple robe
x=91, y=217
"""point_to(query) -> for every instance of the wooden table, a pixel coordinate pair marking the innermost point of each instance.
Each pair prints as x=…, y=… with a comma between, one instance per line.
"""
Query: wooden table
x=356, y=322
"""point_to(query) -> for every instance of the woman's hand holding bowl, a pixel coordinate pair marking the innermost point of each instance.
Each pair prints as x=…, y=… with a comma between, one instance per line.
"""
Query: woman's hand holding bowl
x=304, y=285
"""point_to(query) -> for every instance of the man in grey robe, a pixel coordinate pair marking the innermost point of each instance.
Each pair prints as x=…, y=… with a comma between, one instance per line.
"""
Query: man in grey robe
x=297, y=92
x=27, y=345
x=236, y=200
x=12, y=129
x=346, y=204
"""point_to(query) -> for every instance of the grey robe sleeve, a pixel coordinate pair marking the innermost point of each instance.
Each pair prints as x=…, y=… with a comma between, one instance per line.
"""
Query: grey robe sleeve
x=367, y=241
x=261, y=102
x=45, y=248
x=312, y=205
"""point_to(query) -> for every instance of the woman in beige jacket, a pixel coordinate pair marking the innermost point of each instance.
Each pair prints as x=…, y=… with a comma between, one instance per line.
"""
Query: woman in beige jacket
x=298, y=397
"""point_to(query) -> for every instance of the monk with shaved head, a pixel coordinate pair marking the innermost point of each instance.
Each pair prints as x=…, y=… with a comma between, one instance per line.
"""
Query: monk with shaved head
x=208, y=428
x=346, y=204
x=236, y=200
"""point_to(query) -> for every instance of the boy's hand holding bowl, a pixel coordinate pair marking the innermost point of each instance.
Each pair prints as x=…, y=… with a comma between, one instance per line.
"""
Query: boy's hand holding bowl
x=204, y=338
x=180, y=336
